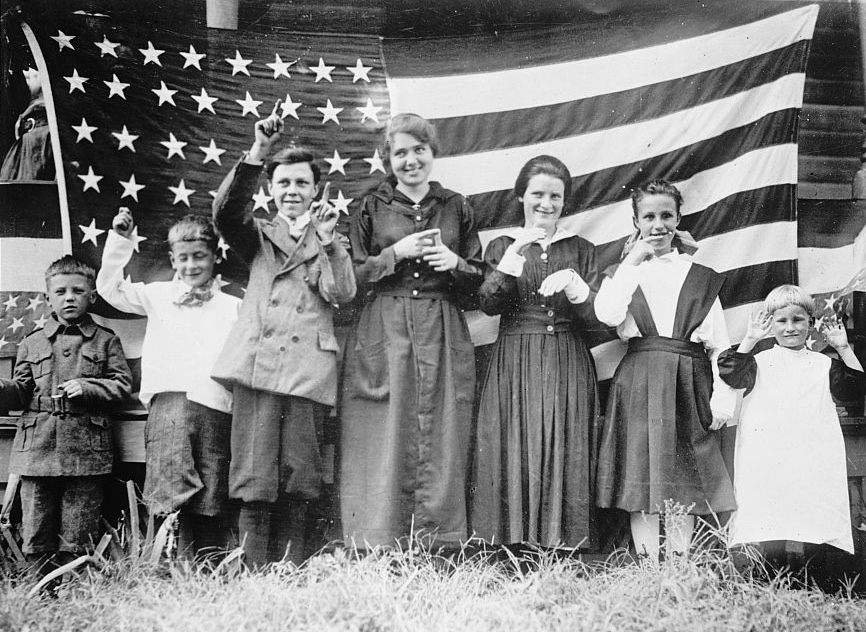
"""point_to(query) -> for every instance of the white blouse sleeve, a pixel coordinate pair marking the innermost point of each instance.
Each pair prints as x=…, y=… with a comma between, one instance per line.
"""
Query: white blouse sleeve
x=122, y=294
x=713, y=334
x=613, y=298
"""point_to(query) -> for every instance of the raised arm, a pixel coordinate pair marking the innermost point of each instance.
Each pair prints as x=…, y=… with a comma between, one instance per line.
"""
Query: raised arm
x=110, y=283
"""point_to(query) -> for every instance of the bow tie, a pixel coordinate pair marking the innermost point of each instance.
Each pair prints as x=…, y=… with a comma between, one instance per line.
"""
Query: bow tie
x=195, y=297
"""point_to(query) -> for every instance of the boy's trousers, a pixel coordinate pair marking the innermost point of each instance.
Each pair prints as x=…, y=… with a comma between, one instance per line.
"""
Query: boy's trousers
x=61, y=513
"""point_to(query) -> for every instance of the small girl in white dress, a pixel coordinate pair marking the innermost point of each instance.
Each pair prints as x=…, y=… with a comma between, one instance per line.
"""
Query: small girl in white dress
x=790, y=477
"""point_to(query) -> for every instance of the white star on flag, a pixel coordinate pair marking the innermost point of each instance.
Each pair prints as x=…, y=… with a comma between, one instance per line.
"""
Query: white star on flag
x=369, y=111
x=830, y=301
x=205, y=102
x=212, y=152
x=165, y=95
x=130, y=188
x=192, y=58
x=181, y=193
x=280, y=67
x=359, y=71
x=249, y=105
x=134, y=236
x=289, y=108
x=17, y=323
x=174, y=146
x=76, y=81
x=337, y=163
x=3, y=341
x=116, y=87
x=106, y=47
x=63, y=40
x=90, y=179
x=323, y=71
x=35, y=302
x=151, y=54
x=810, y=342
x=39, y=323
x=261, y=199
x=329, y=113
x=84, y=131
x=375, y=162
x=11, y=302
x=125, y=139
x=91, y=232
x=239, y=64
x=341, y=203
x=219, y=281
x=223, y=247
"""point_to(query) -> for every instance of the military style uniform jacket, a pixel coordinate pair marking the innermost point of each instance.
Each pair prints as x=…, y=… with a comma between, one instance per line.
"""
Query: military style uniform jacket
x=283, y=341
x=76, y=442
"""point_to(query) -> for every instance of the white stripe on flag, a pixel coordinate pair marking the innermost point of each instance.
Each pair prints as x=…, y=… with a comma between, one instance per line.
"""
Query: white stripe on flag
x=762, y=243
x=826, y=269
x=768, y=166
x=737, y=320
x=587, y=153
x=23, y=261
x=607, y=356
x=433, y=97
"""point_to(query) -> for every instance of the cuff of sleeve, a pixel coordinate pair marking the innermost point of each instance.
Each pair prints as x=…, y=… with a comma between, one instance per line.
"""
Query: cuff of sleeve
x=328, y=246
x=577, y=291
x=511, y=263
x=249, y=161
x=724, y=399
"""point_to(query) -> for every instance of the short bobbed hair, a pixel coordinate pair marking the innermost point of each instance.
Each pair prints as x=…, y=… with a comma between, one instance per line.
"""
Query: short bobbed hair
x=194, y=228
x=70, y=265
x=292, y=156
x=655, y=187
x=547, y=165
x=416, y=126
x=786, y=295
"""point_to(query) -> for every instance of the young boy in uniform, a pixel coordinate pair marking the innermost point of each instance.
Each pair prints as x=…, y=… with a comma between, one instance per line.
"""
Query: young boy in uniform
x=69, y=377
x=189, y=421
x=281, y=357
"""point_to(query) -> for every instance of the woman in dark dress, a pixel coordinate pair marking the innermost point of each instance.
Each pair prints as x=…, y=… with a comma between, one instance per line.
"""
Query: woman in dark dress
x=409, y=378
x=533, y=457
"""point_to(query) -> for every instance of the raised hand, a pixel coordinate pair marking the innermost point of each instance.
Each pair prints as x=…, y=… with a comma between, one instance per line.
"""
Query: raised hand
x=759, y=325
x=123, y=223
x=641, y=250
x=412, y=246
x=324, y=216
x=526, y=236
x=835, y=333
x=267, y=132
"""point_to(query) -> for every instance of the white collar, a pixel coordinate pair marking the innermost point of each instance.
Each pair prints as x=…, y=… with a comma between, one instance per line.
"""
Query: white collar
x=296, y=223
x=558, y=235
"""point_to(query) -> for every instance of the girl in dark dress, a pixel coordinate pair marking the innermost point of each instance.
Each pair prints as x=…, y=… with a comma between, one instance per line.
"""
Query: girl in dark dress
x=533, y=457
x=666, y=399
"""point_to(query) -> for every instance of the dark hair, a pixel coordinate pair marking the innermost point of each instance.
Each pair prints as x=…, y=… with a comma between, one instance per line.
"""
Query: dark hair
x=656, y=187
x=419, y=127
x=547, y=165
x=70, y=265
x=194, y=228
x=292, y=156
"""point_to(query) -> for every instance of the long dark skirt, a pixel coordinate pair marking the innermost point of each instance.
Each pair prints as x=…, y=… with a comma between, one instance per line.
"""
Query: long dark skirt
x=534, y=451
x=654, y=444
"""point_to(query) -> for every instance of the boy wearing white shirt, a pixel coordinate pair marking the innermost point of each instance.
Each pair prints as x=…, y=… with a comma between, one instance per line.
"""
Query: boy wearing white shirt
x=187, y=435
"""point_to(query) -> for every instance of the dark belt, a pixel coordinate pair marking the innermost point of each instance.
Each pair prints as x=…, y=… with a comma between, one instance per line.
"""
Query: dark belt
x=59, y=405
x=671, y=345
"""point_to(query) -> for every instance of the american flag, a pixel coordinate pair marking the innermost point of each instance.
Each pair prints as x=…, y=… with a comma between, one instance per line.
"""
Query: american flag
x=151, y=116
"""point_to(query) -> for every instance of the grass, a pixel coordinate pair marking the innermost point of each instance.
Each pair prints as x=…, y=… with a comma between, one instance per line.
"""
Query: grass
x=416, y=590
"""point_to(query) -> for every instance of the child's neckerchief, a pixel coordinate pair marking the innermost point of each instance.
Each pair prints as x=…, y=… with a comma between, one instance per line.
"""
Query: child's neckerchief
x=195, y=296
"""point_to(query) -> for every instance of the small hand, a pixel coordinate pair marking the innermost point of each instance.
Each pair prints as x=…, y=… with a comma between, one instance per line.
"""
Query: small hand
x=640, y=251
x=72, y=388
x=557, y=282
x=324, y=216
x=412, y=246
x=836, y=335
x=267, y=132
x=719, y=420
x=759, y=325
x=440, y=257
x=526, y=236
x=123, y=222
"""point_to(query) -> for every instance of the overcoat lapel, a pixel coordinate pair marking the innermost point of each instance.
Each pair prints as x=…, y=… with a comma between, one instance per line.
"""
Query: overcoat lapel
x=295, y=252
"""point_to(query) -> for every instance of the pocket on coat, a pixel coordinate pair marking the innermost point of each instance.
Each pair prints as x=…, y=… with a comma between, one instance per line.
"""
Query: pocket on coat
x=100, y=433
x=92, y=362
x=24, y=435
x=40, y=364
x=370, y=375
x=328, y=341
